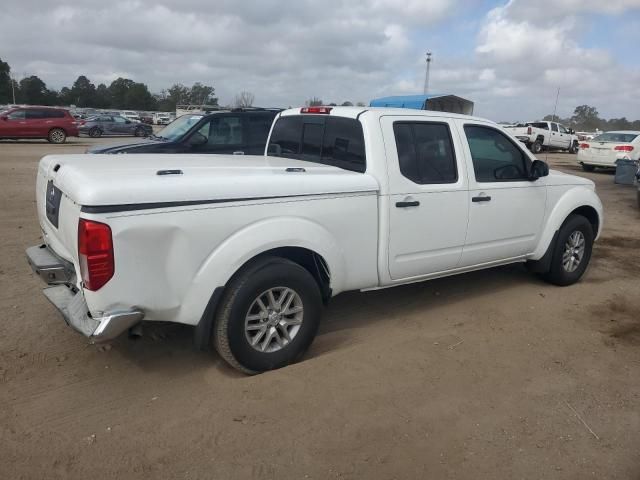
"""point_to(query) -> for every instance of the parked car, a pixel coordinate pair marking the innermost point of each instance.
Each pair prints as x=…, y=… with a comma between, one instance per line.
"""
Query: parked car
x=114, y=125
x=538, y=136
x=249, y=250
x=130, y=115
x=53, y=124
x=241, y=131
x=147, y=118
x=161, y=119
x=609, y=147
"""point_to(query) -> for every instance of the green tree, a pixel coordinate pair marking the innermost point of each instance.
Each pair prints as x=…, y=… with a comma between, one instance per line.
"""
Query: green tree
x=103, y=97
x=347, y=104
x=118, y=92
x=138, y=97
x=83, y=92
x=314, y=102
x=6, y=94
x=35, y=92
x=202, y=95
x=586, y=118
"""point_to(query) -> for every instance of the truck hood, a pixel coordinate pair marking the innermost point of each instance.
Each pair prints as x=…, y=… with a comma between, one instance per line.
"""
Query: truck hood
x=103, y=180
x=560, y=178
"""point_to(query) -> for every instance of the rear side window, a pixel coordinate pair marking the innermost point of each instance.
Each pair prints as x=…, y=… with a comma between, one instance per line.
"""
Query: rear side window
x=33, y=114
x=425, y=152
x=54, y=114
x=333, y=141
x=258, y=128
x=554, y=127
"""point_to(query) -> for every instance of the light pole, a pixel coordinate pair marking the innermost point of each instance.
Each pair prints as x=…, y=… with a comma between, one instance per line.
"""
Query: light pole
x=426, y=78
x=13, y=89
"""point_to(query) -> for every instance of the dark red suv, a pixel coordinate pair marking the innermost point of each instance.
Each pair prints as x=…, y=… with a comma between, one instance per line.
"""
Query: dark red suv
x=54, y=124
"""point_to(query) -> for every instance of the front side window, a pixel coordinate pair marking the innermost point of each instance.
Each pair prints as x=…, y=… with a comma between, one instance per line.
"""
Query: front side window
x=562, y=129
x=425, y=152
x=223, y=131
x=495, y=157
x=17, y=115
x=336, y=141
x=119, y=119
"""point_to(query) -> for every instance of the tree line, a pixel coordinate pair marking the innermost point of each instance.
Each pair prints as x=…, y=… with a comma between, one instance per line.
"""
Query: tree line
x=586, y=118
x=122, y=93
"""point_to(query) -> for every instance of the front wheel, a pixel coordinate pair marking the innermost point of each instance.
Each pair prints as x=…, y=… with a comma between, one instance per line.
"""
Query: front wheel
x=574, y=148
x=268, y=317
x=57, y=135
x=572, y=251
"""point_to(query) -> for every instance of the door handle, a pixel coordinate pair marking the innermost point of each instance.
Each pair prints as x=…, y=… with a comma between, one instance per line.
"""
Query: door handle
x=481, y=198
x=414, y=203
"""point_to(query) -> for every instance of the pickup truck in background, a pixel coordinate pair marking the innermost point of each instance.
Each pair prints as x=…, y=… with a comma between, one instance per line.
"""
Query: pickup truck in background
x=248, y=249
x=538, y=136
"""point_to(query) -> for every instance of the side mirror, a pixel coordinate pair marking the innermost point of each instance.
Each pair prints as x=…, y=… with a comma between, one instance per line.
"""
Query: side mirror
x=127, y=121
x=572, y=131
x=274, y=150
x=197, y=139
x=538, y=169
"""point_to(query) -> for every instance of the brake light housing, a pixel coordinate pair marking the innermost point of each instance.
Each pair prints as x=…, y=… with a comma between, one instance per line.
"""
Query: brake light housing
x=529, y=130
x=95, y=253
x=323, y=110
x=584, y=146
x=624, y=148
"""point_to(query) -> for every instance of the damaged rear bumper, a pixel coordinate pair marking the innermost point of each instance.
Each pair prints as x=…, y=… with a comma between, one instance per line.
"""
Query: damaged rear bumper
x=70, y=302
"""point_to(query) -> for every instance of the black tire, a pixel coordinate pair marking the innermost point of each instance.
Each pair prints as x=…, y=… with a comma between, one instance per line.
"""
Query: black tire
x=95, y=132
x=588, y=168
x=229, y=337
x=139, y=132
x=536, y=147
x=558, y=274
x=574, y=148
x=57, y=135
x=638, y=196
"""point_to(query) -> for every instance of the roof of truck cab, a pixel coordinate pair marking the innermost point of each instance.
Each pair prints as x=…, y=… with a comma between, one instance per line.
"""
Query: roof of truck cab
x=355, y=112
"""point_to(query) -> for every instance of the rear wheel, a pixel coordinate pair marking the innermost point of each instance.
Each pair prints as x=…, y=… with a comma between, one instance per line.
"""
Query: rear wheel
x=57, y=135
x=536, y=147
x=139, y=132
x=572, y=251
x=95, y=132
x=268, y=317
x=588, y=168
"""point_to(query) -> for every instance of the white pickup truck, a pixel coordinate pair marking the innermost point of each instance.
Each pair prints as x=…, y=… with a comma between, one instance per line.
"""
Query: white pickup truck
x=247, y=249
x=538, y=136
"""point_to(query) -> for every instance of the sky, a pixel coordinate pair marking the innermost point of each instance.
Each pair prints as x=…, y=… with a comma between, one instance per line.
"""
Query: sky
x=509, y=57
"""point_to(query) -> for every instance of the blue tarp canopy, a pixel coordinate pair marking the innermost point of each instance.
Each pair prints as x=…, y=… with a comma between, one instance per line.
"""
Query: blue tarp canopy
x=437, y=102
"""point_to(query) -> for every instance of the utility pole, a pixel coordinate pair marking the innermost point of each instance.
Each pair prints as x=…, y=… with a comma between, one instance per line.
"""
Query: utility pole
x=13, y=88
x=555, y=108
x=426, y=78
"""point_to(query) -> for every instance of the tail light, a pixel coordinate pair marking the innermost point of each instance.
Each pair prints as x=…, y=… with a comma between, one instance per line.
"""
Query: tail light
x=316, y=110
x=624, y=148
x=584, y=146
x=529, y=131
x=95, y=249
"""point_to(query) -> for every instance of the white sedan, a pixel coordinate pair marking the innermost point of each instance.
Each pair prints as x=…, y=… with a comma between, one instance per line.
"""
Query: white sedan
x=609, y=147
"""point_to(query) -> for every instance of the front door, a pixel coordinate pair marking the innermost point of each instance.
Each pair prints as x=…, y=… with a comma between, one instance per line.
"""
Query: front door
x=14, y=125
x=428, y=196
x=506, y=209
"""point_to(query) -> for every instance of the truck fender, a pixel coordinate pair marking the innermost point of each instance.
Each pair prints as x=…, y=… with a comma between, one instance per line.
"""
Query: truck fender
x=576, y=198
x=249, y=242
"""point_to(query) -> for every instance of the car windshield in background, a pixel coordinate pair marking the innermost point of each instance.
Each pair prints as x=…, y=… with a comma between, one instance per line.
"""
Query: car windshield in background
x=616, y=137
x=179, y=127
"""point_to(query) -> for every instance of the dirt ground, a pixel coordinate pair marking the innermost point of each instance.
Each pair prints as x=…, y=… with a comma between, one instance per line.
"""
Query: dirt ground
x=490, y=375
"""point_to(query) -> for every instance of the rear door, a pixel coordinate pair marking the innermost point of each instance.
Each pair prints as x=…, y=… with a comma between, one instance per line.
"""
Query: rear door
x=506, y=208
x=36, y=123
x=429, y=197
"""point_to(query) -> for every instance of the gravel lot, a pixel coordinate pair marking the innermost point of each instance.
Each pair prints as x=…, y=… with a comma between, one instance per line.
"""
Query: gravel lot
x=488, y=375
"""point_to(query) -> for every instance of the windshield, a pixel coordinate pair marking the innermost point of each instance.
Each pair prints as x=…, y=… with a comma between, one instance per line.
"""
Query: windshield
x=616, y=137
x=179, y=127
